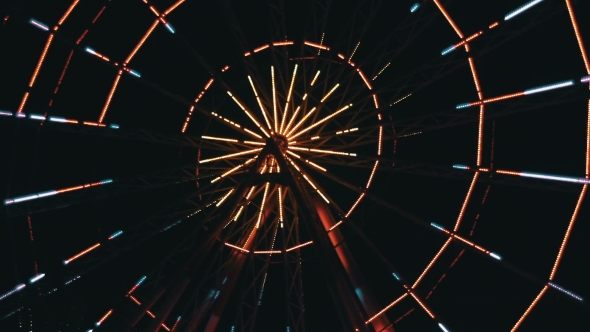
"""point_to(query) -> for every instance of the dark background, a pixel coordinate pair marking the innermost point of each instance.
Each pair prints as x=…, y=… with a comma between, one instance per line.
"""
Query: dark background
x=525, y=226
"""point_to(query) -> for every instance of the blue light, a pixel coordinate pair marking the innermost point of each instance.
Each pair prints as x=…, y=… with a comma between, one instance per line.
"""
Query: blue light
x=457, y=166
x=141, y=280
x=437, y=226
x=134, y=73
x=448, y=50
x=396, y=276
x=114, y=235
x=106, y=181
x=89, y=50
x=114, y=126
x=463, y=105
x=521, y=9
x=169, y=27
x=414, y=7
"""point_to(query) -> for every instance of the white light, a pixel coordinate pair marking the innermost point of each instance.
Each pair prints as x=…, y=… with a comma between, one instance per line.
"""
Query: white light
x=37, y=278
x=548, y=87
x=36, y=117
x=442, y=327
x=522, y=9
x=496, y=256
x=57, y=119
x=566, y=291
x=6, y=113
x=39, y=24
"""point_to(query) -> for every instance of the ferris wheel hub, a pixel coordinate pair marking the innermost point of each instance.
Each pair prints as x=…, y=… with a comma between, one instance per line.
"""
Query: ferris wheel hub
x=280, y=141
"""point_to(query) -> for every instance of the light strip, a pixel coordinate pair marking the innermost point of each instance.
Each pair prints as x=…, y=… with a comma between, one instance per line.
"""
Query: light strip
x=53, y=192
x=237, y=154
x=299, y=246
x=521, y=9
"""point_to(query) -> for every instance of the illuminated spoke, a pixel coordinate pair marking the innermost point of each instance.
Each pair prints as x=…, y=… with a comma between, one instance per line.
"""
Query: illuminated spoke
x=262, y=206
x=233, y=170
x=302, y=121
x=519, y=94
x=262, y=109
x=274, y=99
x=293, y=117
x=53, y=192
x=323, y=151
x=285, y=112
x=231, y=155
x=280, y=199
x=248, y=114
x=303, y=131
x=315, y=77
x=307, y=161
x=330, y=93
x=309, y=181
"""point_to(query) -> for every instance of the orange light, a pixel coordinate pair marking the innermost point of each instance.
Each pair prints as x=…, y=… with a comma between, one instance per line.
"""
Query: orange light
x=261, y=48
x=568, y=232
x=321, y=47
x=528, y=310
x=82, y=253
x=283, y=43
x=105, y=317
x=570, y=10
x=110, y=96
x=134, y=299
x=367, y=83
x=448, y=17
x=68, y=12
x=386, y=308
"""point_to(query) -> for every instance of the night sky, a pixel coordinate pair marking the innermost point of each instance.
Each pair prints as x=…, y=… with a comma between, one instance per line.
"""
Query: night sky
x=523, y=220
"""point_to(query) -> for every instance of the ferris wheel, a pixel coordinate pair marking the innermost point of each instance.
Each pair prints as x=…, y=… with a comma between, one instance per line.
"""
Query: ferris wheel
x=340, y=159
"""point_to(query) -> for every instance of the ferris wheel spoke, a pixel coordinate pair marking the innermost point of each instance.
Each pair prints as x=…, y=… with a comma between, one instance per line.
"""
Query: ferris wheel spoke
x=50, y=200
x=143, y=231
x=438, y=68
x=462, y=116
x=451, y=236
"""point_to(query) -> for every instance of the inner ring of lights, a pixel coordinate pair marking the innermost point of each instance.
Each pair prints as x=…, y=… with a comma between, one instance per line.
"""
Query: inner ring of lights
x=288, y=122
